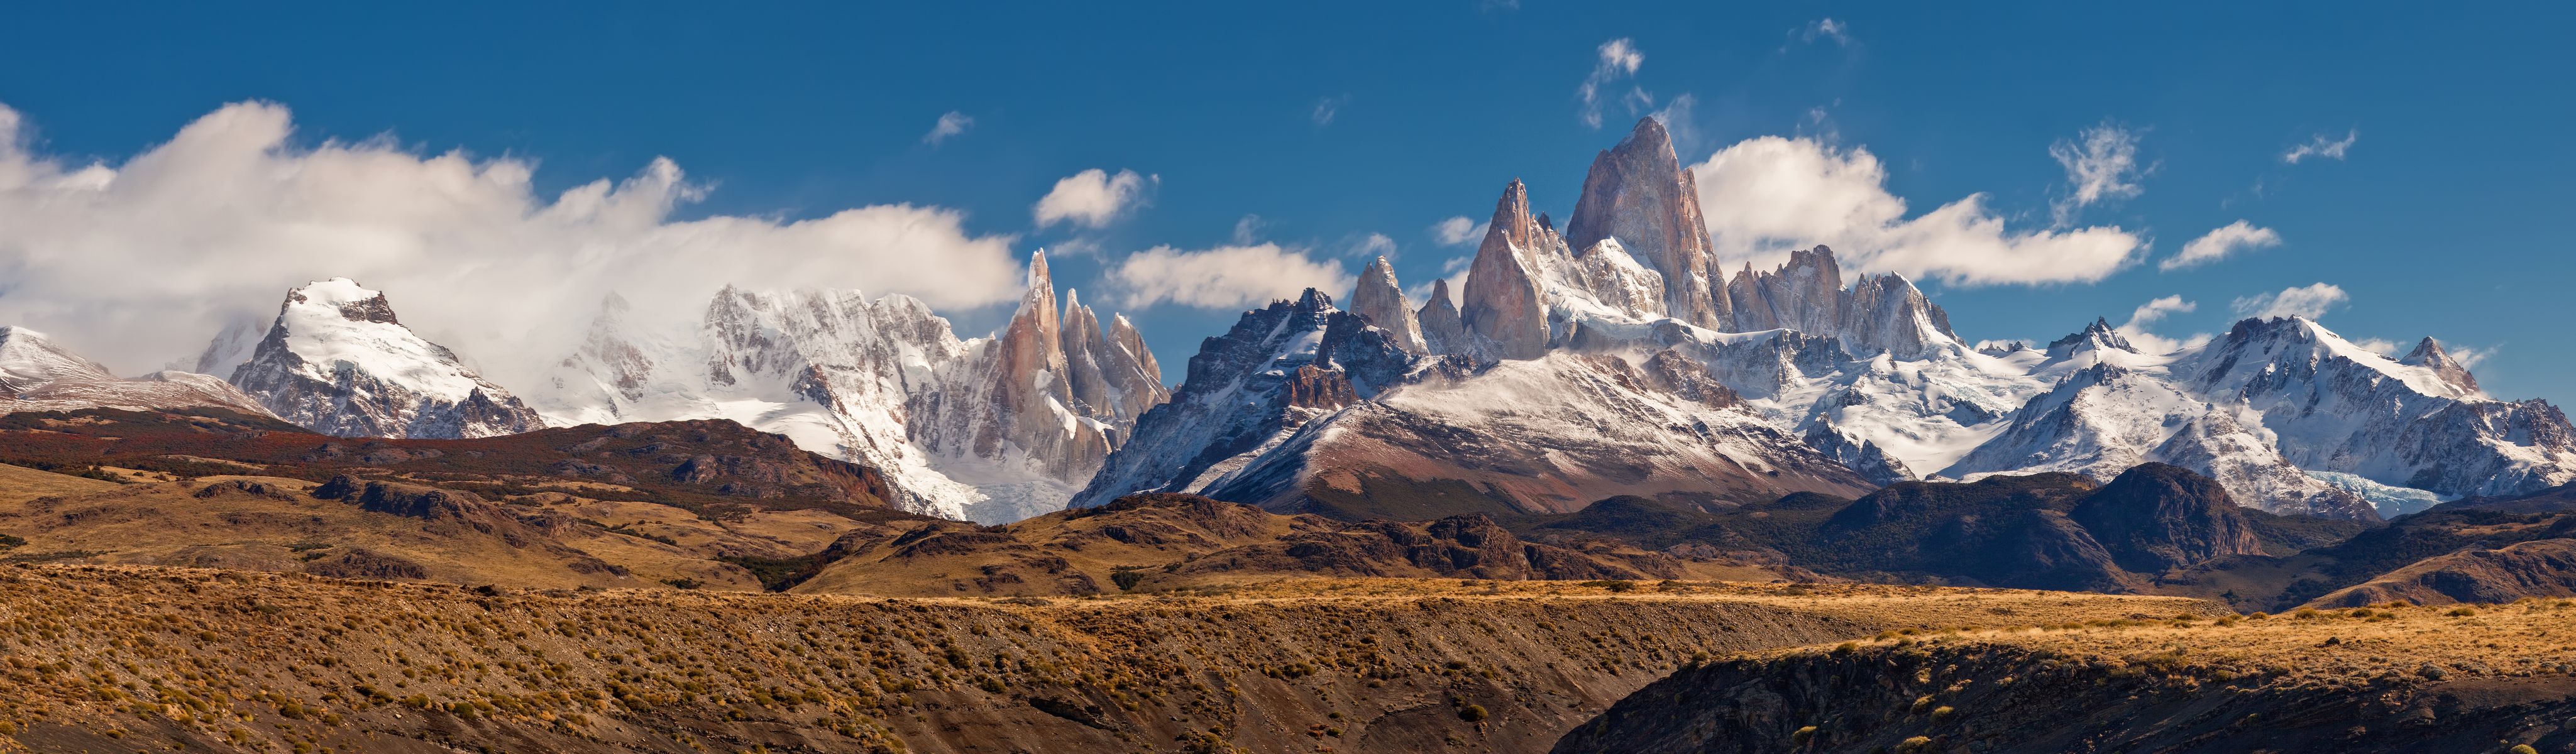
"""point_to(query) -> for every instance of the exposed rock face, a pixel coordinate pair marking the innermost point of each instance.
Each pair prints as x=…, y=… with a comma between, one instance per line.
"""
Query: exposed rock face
x=2429, y=355
x=1379, y=301
x=2096, y=337
x=1243, y=392
x=337, y=361
x=1881, y=313
x=1638, y=193
x=37, y=374
x=1443, y=331
x=1506, y=311
x=993, y=429
x=1135, y=379
x=2155, y=518
x=1029, y=390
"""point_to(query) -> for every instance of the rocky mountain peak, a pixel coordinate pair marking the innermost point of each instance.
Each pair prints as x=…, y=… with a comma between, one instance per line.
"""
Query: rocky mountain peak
x=2096, y=336
x=1380, y=302
x=1505, y=312
x=354, y=303
x=1638, y=193
x=2157, y=517
x=1878, y=313
x=2429, y=354
x=1443, y=331
x=339, y=362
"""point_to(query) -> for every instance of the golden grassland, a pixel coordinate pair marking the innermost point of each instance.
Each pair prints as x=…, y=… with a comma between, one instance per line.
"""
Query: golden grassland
x=2394, y=642
x=104, y=656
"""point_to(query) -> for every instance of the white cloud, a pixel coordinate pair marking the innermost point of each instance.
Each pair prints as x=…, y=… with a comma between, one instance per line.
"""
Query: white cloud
x=2383, y=346
x=1765, y=196
x=2149, y=313
x=1328, y=107
x=2102, y=165
x=950, y=124
x=2322, y=146
x=139, y=263
x=1092, y=198
x=2220, y=242
x=2158, y=308
x=1827, y=28
x=2471, y=356
x=1680, y=125
x=1619, y=59
x=2310, y=301
x=1372, y=246
x=1225, y=277
x=1458, y=231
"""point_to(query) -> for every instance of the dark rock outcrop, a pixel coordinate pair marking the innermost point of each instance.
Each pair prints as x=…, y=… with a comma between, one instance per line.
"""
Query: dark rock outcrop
x=2156, y=517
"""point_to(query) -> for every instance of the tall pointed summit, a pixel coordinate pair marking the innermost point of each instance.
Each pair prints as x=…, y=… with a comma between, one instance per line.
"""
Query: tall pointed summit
x=1381, y=303
x=1506, y=310
x=1638, y=193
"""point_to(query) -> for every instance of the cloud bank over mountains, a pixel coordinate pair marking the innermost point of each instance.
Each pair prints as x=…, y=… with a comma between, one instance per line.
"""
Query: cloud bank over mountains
x=214, y=225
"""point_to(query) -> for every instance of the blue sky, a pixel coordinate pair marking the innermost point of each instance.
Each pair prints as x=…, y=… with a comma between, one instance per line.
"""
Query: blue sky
x=2442, y=216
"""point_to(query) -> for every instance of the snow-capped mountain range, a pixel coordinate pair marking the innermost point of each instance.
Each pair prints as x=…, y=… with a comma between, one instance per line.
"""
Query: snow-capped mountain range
x=1614, y=357
x=37, y=374
x=991, y=429
x=1617, y=359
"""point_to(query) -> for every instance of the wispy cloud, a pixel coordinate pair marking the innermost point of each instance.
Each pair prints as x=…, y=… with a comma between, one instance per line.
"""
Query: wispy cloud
x=2220, y=242
x=1618, y=59
x=2471, y=356
x=1826, y=28
x=1457, y=231
x=950, y=124
x=2323, y=146
x=2101, y=164
x=1328, y=107
x=2310, y=301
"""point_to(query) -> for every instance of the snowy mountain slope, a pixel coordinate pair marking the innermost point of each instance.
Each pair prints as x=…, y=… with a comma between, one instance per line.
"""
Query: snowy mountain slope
x=1245, y=391
x=37, y=374
x=1301, y=407
x=992, y=429
x=337, y=361
x=29, y=360
x=2339, y=407
x=1533, y=395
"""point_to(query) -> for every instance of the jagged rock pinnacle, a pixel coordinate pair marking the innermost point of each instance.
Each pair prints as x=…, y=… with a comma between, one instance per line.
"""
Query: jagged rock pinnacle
x=1380, y=302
